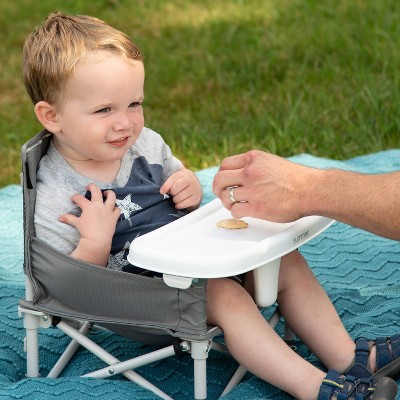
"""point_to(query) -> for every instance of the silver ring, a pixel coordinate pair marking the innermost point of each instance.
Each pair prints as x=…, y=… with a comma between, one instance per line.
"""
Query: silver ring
x=231, y=195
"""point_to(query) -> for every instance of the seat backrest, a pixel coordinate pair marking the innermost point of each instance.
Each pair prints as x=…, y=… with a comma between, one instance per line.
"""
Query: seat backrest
x=66, y=287
x=31, y=154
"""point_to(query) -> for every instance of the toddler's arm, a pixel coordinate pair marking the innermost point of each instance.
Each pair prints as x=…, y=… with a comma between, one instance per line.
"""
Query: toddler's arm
x=96, y=225
x=185, y=189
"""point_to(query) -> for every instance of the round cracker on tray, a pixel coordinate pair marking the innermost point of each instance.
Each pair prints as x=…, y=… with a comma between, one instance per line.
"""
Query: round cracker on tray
x=232, y=224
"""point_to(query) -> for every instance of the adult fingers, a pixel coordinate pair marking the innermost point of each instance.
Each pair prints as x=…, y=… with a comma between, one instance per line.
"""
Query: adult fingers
x=233, y=195
x=233, y=162
x=230, y=173
x=236, y=194
x=225, y=179
x=240, y=210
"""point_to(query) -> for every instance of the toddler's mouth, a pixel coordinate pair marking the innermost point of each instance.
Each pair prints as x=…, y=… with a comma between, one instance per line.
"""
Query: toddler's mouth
x=119, y=142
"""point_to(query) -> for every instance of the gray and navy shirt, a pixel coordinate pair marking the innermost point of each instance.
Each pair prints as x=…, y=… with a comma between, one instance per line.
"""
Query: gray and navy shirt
x=144, y=169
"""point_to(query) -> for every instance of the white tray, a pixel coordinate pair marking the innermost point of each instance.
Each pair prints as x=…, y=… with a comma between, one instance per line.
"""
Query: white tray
x=194, y=247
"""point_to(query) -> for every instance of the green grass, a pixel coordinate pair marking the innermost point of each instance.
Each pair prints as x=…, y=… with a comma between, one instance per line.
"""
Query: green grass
x=225, y=76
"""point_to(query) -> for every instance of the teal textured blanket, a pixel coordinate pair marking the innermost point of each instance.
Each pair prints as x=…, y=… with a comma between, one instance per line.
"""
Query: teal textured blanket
x=360, y=271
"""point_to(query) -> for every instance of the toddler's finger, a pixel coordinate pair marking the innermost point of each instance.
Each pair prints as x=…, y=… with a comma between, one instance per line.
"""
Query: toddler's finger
x=166, y=187
x=68, y=219
x=96, y=194
x=110, y=197
x=79, y=200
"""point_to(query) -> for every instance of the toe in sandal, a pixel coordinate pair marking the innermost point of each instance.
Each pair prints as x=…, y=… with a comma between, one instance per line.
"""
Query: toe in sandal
x=347, y=387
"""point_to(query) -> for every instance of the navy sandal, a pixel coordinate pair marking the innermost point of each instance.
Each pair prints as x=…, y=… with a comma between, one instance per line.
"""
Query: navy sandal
x=387, y=357
x=347, y=387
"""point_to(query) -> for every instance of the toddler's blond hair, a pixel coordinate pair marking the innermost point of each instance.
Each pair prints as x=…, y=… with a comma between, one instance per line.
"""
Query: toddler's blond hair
x=53, y=49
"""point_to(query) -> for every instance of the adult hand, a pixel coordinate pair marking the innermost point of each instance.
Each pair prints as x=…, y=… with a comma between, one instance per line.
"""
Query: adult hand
x=185, y=189
x=268, y=186
x=278, y=190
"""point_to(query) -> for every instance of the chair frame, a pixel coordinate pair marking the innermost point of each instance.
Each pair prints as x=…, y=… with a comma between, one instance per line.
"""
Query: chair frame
x=198, y=349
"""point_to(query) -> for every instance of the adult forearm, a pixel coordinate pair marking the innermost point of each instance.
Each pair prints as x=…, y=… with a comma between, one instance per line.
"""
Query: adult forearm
x=370, y=202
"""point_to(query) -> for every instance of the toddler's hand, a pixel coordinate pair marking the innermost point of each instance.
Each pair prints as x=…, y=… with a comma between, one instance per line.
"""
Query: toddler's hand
x=185, y=189
x=96, y=224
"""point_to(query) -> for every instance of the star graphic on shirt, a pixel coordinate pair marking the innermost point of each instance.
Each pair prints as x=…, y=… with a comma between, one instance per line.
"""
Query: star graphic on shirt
x=118, y=260
x=127, y=206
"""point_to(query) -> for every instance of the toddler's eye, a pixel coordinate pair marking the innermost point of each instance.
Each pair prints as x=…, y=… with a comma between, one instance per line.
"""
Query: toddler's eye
x=104, y=110
x=135, y=104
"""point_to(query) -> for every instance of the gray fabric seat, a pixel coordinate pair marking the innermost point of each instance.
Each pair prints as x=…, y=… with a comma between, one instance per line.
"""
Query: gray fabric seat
x=76, y=297
x=60, y=288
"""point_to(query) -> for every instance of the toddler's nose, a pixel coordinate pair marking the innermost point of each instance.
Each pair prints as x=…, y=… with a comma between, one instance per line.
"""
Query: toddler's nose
x=123, y=122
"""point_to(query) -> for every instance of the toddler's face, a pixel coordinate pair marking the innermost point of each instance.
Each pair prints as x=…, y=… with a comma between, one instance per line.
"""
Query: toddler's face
x=101, y=114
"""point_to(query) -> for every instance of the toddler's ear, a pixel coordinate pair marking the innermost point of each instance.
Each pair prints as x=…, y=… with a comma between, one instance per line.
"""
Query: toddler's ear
x=47, y=116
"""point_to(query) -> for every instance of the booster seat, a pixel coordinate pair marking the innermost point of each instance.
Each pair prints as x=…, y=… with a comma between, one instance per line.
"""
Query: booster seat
x=75, y=296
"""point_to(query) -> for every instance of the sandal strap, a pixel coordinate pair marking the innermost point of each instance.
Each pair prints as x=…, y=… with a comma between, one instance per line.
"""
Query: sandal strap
x=343, y=387
x=364, y=388
x=362, y=351
x=387, y=350
x=329, y=385
x=360, y=366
